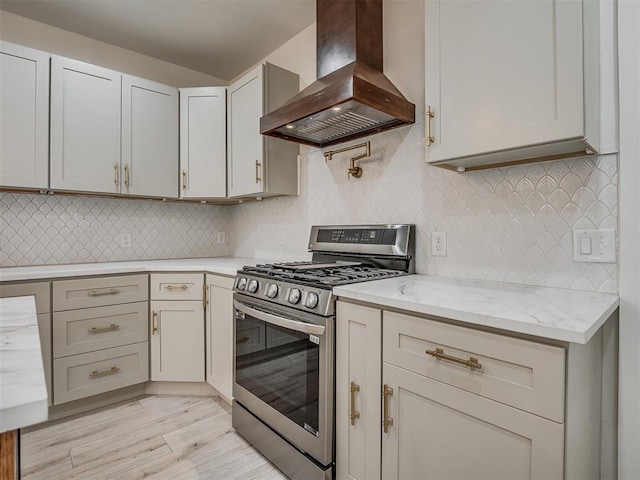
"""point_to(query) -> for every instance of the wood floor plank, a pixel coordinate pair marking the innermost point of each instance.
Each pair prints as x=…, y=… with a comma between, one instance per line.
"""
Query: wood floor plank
x=163, y=437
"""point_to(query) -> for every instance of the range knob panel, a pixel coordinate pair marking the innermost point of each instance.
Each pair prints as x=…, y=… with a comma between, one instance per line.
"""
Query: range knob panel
x=272, y=290
x=253, y=286
x=312, y=300
x=294, y=296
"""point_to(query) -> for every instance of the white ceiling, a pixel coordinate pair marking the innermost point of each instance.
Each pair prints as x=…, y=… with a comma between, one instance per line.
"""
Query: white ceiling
x=218, y=37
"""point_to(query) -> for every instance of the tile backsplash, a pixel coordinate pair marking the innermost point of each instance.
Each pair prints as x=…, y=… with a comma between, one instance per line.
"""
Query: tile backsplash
x=58, y=229
x=511, y=224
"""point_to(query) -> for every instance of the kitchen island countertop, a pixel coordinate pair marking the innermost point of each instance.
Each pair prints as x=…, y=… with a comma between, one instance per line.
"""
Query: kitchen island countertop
x=553, y=313
x=23, y=390
x=218, y=265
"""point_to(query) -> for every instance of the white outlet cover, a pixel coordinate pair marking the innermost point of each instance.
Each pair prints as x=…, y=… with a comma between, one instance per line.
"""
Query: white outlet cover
x=439, y=244
x=594, y=245
x=221, y=237
x=125, y=240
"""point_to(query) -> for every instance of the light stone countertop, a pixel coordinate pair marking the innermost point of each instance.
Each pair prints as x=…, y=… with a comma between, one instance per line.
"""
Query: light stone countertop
x=221, y=266
x=23, y=389
x=553, y=313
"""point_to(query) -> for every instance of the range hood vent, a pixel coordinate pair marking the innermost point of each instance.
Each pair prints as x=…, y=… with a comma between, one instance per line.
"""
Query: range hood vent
x=352, y=98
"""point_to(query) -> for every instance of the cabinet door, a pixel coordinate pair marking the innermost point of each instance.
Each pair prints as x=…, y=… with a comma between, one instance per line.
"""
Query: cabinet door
x=245, y=167
x=24, y=117
x=358, y=373
x=219, y=334
x=149, y=138
x=441, y=432
x=177, y=341
x=85, y=127
x=502, y=75
x=203, y=153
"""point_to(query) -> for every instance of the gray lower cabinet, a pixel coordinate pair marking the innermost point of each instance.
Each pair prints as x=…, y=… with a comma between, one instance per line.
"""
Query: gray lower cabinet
x=80, y=376
x=100, y=335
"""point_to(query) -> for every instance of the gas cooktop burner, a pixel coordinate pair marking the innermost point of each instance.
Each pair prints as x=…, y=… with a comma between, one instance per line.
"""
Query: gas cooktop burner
x=322, y=274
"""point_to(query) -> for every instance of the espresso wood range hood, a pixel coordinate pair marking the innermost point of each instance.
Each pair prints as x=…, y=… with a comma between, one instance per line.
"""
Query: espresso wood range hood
x=352, y=98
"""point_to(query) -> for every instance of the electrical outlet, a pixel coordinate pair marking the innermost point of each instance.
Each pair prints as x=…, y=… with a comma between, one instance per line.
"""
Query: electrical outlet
x=125, y=240
x=439, y=244
x=281, y=238
x=221, y=237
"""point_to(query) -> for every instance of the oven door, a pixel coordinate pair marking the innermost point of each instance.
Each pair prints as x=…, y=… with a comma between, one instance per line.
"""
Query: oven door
x=284, y=363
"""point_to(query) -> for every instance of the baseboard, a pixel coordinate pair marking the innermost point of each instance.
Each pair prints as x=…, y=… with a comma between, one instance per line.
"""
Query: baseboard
x=180, y=388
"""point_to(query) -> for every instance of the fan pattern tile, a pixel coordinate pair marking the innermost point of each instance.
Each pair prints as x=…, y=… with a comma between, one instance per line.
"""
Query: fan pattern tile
x=57, y=229
x=511, y=224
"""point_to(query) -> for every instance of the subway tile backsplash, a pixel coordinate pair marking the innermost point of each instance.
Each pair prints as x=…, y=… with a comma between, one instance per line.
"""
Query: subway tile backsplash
x=509, y=224
x=58, y=229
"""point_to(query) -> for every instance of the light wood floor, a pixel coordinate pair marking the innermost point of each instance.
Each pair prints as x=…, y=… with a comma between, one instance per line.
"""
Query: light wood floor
x=155, y=437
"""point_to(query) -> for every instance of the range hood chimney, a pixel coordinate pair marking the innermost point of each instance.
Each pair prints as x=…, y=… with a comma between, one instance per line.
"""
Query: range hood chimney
x=352, y=98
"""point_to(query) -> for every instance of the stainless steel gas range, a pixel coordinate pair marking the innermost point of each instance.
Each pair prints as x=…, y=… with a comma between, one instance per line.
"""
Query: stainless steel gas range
x=285, y=341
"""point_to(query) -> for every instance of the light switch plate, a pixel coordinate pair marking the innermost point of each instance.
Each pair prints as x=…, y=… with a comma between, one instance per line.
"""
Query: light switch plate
x=598, y=245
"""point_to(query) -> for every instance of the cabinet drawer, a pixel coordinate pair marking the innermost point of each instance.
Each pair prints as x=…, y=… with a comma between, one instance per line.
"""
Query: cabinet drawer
x=40, y=290
x=177, y=286
x=99, y=291
x=521, y=373
x=80, y=376
x=89, y=329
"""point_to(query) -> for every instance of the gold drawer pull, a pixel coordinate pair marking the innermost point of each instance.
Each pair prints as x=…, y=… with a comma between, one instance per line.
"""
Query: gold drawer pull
x=387, y=421
x=111, y=371
x=354, y=413
x=99, y=293
x=174, y=287
x=439, y=354
x=242, y=340
x=113, y=326
x=428, y=116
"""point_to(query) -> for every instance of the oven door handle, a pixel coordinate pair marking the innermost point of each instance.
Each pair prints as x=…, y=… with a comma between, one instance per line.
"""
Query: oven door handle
x=303, y=327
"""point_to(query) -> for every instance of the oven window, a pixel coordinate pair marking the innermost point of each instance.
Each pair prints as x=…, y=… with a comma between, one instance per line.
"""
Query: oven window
x=281, y=367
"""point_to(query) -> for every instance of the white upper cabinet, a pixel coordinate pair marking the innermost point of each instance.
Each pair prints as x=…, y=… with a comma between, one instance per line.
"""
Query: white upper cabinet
x=149, y=138
x=256, y=165
x=203, y=162
x=85, y=127
x=518, y=80
x=24, y=117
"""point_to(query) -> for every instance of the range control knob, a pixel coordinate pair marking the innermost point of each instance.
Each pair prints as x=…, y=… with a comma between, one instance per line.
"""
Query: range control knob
x=253, y=286
x=312, y=300
x=294, y=296
x=272, y=291
x=242, y=283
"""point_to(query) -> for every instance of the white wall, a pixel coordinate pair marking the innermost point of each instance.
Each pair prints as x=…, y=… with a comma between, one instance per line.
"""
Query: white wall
x=29, y=33
x=509, y=224
x=629, y=365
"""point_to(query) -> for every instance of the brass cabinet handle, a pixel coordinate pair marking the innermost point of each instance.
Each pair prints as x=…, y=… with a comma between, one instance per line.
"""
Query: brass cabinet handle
x=126, y=174
x=111, y=371
x=242, y=340
x=174, y=287
x=99, y=293
x=354, y=413
x=428, y=116
x=205, y=302
x=258, y=165
x=184, y=179
x=154, y=327
x=439, y=354
x=113, y=326
x=115, y=174
x=387, y=421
